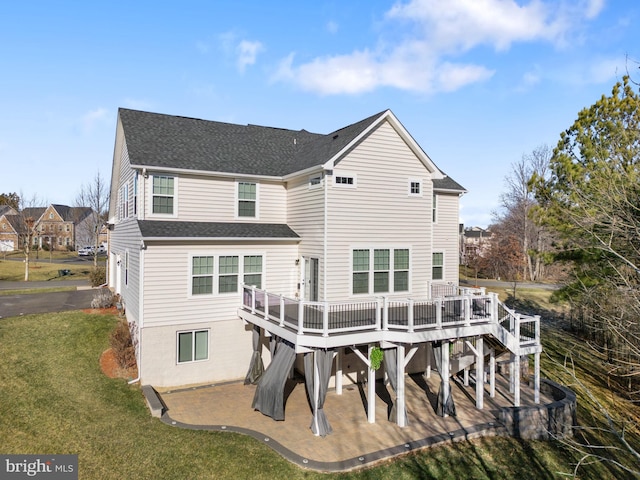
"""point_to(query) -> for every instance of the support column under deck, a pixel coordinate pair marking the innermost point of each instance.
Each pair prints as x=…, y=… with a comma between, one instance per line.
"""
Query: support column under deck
x=444, y=374
x=371, y=390
x=401, y=410
x=516, y=380
x=536, y=377
x=339, y=356
x=492, y=373
x=480, y=373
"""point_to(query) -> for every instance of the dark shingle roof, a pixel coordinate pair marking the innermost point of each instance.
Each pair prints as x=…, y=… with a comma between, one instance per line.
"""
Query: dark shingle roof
x=448, y=183
x=158, y=140
x=195, y=230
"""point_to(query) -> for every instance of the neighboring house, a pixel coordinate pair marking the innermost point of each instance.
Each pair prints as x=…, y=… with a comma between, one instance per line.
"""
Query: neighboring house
x=58, y=227
x=475, y=242
x=225, y=236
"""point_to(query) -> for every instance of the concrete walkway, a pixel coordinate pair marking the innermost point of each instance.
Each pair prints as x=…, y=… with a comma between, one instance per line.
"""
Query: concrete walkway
x=354, y=442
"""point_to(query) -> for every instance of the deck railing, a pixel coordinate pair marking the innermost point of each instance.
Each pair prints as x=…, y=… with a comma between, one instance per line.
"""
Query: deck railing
x=330, y=318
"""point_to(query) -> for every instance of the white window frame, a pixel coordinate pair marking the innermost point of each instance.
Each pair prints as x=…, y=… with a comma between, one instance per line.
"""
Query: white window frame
x=175, y=197
x=439, y=266
x=135, y=193
x=240, y=274
x=372, y=269
x=434, y=208
x=212, y=275
x=410, y=184
x=256, y=201
x=193, y=345
x=347, y=175
x=318, y=179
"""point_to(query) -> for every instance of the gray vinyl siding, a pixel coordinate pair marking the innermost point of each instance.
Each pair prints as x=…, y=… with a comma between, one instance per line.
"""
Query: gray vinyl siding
x=125, y=238
x=379, y=213
x=445, y=234
x=214, y=199
x=167, y=294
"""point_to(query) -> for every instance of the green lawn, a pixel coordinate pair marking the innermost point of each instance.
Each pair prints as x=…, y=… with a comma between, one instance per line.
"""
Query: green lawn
x=42, y=269
x=54, y=399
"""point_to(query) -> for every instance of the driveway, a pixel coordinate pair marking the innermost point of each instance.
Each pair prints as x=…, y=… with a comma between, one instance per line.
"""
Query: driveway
x=46, y=302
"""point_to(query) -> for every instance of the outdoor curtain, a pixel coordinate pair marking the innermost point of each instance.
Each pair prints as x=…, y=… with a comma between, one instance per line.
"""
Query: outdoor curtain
x=256, y=367
x=445, y=406
x=323, y=362
x=269, y=396
x=391, y=367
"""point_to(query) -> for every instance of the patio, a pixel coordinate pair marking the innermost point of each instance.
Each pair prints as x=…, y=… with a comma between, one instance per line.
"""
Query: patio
x=354, y=442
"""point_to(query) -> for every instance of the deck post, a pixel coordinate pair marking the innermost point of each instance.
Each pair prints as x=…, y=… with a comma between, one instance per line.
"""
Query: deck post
x=253, y=299
x=378, y=314
x=282, y=310
x=492, y=373
x=536, y=377
x=467, y=310
x=410, y=315
x=465, y=376
x=439, y=314
x=325, y=319
x=385, y=313
x=266, y=305
x=401, y=409
x=371, y=389
x=427, y=372
x=300, y=317
x=339, y=355
x=480, y=373
x=516, y=380
x=444, y=374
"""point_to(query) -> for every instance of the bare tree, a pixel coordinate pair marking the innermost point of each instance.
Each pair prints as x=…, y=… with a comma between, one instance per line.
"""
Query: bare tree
x=25, y=224
x=94, y=196
x=517, y=204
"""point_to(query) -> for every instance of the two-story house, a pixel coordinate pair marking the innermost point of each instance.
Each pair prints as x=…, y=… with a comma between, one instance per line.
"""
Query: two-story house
x=325, y=246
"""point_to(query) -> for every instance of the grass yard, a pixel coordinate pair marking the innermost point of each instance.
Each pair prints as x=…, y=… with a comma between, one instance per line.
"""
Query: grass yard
x=55, y=399
x=42, y=270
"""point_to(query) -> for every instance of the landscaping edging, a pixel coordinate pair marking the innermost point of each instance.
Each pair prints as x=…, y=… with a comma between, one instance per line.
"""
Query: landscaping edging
x=543, y=422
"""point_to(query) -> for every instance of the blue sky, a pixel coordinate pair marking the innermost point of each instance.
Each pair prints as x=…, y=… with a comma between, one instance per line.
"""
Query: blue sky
x=478, y=83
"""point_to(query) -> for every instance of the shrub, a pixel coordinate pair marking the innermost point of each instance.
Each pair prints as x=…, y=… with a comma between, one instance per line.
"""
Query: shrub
x=98, y=276
x=122, y=346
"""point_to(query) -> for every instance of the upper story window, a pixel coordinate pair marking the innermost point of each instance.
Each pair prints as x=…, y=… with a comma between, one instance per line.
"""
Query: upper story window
x=434, y=211
x=51, y=215
x=342, y=180
x=228, y=274
x=247, y=199
x=315, y=181
x=124, y=201
x=415, y=187
x=163, y=195
x=135, y=194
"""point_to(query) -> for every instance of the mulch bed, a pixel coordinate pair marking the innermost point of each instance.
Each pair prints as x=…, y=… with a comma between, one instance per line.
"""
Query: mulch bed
x=110, y=367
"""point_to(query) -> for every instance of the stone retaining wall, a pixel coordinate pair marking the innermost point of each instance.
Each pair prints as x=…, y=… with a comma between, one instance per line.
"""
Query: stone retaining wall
x=542, y=422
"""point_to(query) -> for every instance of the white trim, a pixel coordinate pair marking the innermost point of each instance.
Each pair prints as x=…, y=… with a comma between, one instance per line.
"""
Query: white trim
x=215, y=289
x=193, y=345
x=175, y=197
x=204, y=173
x=410, y=183
x=190, y=293
x=345, y=175
x=237, y=183
x=391, y=270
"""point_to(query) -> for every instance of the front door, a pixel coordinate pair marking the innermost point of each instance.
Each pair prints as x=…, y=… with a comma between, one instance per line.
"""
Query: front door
x=311, y=279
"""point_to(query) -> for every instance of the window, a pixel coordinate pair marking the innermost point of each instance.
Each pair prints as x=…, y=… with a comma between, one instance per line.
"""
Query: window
x=401, y=270
x=253, y=270
x=228, y=274
x=51, y=216
x=415, y=188
x=163, y=195
x=380, y=271
x=345, y=181
x=201, y=275
x=390, y=272
x=135, y=194
x=315, y=181
x=247, y=199
x=437, y=266
x=434, y=217
x=126, y=267
x=360, y=271
x=193, y=346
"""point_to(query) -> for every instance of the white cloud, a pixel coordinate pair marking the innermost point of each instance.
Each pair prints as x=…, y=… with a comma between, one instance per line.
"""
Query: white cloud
x=434, y=36
x=247, y=52
x=332, y=27
x=91, y=118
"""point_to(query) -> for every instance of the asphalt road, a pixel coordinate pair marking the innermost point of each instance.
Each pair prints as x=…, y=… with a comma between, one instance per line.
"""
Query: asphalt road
x=46, y=302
